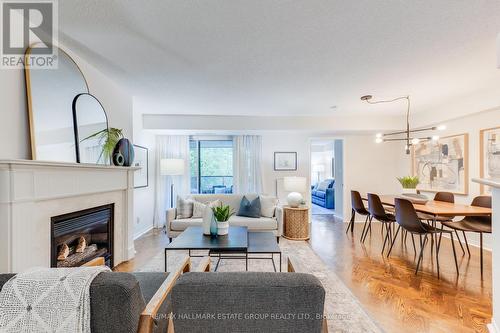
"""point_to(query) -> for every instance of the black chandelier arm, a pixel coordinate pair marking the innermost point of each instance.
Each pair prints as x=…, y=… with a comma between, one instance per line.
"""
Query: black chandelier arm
x=406, y=139
x=395, y=139
x=411, y=131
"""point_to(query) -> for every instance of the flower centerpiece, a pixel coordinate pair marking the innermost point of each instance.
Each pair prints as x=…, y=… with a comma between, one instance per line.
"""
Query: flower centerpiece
x=222, y=213
x=409, y=183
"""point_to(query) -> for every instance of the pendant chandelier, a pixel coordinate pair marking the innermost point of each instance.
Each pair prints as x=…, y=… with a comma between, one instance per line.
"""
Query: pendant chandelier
x=409, y=136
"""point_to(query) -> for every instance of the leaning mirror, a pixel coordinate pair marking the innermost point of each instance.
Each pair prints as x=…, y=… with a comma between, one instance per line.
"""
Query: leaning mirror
x=50, y=94
x=91, y=126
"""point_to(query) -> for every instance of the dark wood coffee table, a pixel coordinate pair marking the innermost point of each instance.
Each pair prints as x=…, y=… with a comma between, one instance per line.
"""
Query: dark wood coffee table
x=238, y=241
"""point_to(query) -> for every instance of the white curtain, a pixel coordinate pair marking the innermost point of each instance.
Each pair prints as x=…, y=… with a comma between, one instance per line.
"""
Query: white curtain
x=247, y=169
x=170, y=146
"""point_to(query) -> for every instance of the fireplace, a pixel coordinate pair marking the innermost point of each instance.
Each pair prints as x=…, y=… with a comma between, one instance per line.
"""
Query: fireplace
x=92, y=227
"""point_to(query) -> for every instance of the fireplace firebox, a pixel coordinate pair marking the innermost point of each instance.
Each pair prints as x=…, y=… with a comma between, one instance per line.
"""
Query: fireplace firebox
x=94, y=225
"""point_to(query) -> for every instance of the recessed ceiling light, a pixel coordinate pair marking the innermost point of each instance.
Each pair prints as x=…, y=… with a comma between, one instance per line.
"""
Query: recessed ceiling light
x=333, y=107
x=366, y=97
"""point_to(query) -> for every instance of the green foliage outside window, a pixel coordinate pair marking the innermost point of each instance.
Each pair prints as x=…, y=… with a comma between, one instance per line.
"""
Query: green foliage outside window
x=216, y=159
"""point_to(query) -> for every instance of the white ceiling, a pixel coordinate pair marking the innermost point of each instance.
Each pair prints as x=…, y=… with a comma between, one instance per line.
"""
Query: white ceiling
x=287, y=57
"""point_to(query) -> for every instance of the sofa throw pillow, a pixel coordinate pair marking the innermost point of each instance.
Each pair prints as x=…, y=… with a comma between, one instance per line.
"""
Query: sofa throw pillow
x=199, y=207
x=249, y=209
x=323, y=185
x=184, y=208
x=268, y=205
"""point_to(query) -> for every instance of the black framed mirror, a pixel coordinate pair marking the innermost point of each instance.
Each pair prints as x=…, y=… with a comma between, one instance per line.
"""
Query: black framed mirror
x=90, y=127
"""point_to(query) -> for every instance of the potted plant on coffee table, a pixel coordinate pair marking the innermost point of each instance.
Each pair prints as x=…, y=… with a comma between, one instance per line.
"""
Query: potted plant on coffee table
x=222, y=213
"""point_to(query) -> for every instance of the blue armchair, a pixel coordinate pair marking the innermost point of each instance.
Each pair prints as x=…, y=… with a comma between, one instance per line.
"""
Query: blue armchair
x=323, y=194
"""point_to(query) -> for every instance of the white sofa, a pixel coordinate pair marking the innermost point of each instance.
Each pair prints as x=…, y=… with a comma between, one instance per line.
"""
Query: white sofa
x=274, y=224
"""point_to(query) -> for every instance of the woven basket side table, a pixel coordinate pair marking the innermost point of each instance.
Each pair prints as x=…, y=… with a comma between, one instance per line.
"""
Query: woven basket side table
x=296, y=223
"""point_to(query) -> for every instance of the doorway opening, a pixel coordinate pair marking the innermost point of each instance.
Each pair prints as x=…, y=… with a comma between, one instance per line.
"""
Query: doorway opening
x=327, y=177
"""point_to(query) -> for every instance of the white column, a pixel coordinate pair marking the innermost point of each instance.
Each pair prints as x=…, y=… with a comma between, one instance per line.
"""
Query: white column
x=494, y=326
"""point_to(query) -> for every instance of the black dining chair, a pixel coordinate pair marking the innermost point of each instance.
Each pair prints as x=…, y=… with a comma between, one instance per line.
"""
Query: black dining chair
x=378, y=212
x=477, y=224
x=407, y=218
x=357, y=207
x=450, y=198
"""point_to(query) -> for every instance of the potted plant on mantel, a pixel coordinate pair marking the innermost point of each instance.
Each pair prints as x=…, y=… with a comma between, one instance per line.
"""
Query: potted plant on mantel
x=409, y=184
x=222, y=213
x=116, y=149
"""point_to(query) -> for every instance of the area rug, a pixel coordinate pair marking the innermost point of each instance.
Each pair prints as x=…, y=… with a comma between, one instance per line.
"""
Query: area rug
x=343, y=311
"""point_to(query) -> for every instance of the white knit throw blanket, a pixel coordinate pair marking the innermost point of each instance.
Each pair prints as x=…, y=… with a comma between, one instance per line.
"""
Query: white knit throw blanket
x=48, y=300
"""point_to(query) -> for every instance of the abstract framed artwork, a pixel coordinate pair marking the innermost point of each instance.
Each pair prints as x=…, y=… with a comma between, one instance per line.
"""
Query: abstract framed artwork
x=141, y=160
x=489, y=159
x=442, y=165
x=285, y=161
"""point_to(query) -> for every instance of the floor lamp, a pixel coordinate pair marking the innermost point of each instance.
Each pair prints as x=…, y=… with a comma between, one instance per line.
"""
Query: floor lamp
x=172, y=167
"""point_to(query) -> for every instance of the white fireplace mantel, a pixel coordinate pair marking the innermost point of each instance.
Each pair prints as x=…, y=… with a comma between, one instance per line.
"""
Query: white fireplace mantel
x=31, y=192
x=494, y=327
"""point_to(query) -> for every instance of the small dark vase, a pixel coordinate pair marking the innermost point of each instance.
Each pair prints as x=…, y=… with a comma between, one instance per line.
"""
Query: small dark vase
x=123, y=154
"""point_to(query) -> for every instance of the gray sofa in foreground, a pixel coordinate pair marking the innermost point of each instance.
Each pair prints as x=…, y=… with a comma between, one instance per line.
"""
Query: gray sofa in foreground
x=248, y=302
x=204, y=301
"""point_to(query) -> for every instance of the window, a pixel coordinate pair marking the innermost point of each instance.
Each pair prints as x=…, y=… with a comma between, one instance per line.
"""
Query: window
x=211, y=164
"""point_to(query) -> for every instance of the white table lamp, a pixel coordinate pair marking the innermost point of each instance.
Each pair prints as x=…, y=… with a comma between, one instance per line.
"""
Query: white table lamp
x=172, y=167
x=295, y=185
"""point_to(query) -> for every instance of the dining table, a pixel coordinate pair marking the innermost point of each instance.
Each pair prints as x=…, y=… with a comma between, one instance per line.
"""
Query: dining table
x=436, y=209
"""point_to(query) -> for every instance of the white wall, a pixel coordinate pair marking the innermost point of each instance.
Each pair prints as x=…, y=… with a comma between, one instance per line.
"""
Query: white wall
x=144, y=197
x=283, y=142
x=14, y=125
x=369, y=167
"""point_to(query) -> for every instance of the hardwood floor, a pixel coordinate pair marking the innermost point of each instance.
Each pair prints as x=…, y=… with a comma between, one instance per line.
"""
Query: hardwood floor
x=387, y=288
x=393, y=295
x=146, y=247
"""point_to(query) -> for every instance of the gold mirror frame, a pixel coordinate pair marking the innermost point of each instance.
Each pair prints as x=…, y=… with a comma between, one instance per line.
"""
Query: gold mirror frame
x=29, y=98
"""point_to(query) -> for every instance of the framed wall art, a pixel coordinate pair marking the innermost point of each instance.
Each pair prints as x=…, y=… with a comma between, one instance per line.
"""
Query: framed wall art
x=489, y=159
x=285, y=161
x=442, y=165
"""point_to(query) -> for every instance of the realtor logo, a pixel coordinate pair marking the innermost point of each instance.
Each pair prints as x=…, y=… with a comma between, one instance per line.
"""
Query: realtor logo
x=30, y=24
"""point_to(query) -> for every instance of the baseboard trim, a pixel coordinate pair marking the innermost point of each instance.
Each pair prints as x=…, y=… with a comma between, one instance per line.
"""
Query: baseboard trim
x=492, y=327
x=470, y=244
x=143, y=232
